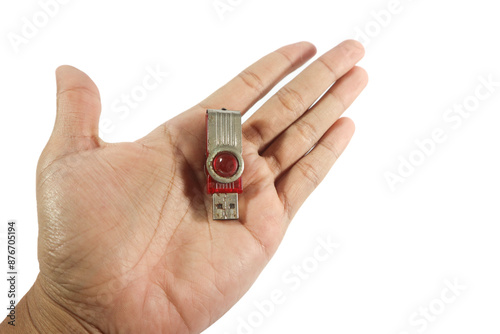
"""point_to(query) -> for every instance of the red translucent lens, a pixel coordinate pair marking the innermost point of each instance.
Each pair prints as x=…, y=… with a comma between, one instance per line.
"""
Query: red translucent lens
x=225, y=164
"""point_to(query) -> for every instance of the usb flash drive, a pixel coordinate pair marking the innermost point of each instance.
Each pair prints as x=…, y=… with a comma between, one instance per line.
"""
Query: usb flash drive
x=224, y=164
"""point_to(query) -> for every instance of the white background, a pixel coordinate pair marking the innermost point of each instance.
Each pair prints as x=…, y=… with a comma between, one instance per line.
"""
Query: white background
x=397, y=248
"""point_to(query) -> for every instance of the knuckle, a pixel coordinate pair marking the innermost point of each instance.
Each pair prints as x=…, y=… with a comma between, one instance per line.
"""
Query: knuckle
x=287, y=57
x=310, y=173
x=77, y=94
x=333, y=149
x=253, y=133
x=274, y=164
x=291, y=100
x=307, y=132
x=252, y=80
x=288, y=207
x=341, y=100
x=329, y=67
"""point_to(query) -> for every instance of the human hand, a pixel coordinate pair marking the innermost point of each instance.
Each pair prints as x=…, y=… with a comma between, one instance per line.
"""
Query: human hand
x=127, y=243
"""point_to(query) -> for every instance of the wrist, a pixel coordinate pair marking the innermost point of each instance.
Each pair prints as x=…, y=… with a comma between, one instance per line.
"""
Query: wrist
x=37, y=312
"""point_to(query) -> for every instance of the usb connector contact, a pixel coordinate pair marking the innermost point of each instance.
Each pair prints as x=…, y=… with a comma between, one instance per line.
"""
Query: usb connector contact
x=225, y=206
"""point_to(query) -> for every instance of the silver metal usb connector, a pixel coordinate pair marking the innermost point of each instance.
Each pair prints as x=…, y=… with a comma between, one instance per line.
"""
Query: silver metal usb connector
x=225, y=206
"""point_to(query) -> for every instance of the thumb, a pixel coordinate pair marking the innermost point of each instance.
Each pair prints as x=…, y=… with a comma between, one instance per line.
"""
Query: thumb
x=78, y=111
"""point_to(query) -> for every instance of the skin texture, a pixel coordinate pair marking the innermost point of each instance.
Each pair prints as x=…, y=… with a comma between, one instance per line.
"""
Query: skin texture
x=126, y=239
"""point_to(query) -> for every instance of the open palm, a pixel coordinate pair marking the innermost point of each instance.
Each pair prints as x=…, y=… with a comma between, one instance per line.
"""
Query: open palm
x=127, y=243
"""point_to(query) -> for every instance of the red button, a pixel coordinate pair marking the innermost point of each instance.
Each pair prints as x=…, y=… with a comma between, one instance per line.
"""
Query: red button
x=225, y=164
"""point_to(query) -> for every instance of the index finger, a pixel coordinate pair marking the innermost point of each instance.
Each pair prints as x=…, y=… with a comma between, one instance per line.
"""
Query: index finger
x=253, y=83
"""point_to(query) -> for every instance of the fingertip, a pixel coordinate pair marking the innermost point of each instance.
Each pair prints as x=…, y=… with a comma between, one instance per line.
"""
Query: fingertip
x=310, y=47
x=361, y=74
x=306, y=49
x=70, y=78
x=341, y=132
x=354, y=48
x=62, y=68
x=64, y=71
x=348, y=124
x=356, y=44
